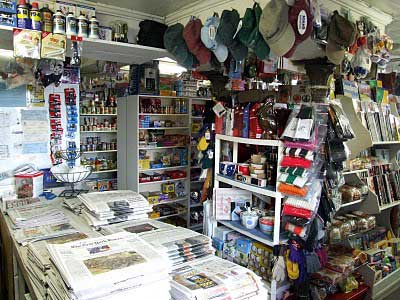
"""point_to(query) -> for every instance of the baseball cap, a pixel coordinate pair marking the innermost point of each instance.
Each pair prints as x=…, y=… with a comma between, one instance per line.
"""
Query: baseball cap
x=175, y=44
x=209, y=38
x=300, y=18
x=275, y=28
x=191, y=35
x=341, y=35
x=227, y=34
x=249, y=34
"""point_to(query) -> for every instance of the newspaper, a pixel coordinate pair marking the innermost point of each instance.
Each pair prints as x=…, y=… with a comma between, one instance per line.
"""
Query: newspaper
x=37, y=214
x=173, y=240
x=28, y=235
x=95, y=222
x=73, y=204
x=38, y=253
x=136, y=226
x=214, y=278
x=97, y=267
x=102, y=201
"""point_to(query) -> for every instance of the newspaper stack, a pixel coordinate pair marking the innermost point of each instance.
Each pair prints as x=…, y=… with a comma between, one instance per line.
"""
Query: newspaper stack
x=39, y=221
x=215, y=278
x=136, y=226
x=36, y=214
x=103, y=208
x=118, y=266
x=179, y=244
x=38, y=258
x=73, y=204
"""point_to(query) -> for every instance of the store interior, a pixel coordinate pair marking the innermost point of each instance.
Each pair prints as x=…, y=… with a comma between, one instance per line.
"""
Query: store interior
x=199, y=150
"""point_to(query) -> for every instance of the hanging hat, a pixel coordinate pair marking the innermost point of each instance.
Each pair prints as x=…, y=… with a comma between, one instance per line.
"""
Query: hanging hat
x=176, y=45
x=301, y=19
x=209, y=38
x=275, y=27
x=341, y=35
x=191, y=35
x=249, y=34
x=227, y=34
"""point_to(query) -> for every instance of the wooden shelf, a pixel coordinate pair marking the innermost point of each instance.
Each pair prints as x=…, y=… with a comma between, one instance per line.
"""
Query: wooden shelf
x=390, y=205
x=163, y=128
x=255, y=234
x=98, y=115
x=239, y=140
x=150, y=114
x=99, y=151
x=162, y=181
x=158, y=148
x=355, y=171
x=248, y=187
x=171, y=201
x=163, y=169
x=100, y=49
x=100, y=131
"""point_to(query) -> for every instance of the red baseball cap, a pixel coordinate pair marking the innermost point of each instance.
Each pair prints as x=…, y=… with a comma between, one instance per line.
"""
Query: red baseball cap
x=192, y=37
x=301, y=19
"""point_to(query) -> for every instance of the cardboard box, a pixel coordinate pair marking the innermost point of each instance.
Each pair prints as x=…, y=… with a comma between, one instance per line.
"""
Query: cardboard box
x=29, y=184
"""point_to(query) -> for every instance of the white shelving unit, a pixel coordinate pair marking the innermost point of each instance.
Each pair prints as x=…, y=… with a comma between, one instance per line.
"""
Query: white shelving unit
x=129, y=146
x=255, y=234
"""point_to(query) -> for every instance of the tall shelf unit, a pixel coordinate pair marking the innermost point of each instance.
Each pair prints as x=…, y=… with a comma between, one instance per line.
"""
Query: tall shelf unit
x=270, y=191
x=98, y=140
x=148, y=160
x=196, y=110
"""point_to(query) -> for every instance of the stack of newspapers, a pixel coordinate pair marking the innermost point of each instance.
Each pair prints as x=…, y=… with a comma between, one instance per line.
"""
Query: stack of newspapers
x=38, y=259
x=39, y=221
x=103, y=208
x=136, y=226
x=114, y=267
x=215, y=278
x=179, y=245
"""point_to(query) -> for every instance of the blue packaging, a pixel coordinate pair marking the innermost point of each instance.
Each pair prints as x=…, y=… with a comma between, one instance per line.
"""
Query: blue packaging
x=217, y=244
x=246, y=119
x=243, y=245
x=23, y=20
x=8, y=6
x=8, y=20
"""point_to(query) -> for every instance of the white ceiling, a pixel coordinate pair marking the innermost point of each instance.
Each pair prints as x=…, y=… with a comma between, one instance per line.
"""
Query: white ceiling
x=155, y=7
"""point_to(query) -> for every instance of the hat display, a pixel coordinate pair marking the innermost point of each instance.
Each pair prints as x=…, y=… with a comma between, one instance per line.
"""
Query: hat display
x=300, y=18
x=341, y=35
x=176, y=45
x=209, y=38
x=275, y=28
x=249, y=34
x=191, y=35
x=226, y=34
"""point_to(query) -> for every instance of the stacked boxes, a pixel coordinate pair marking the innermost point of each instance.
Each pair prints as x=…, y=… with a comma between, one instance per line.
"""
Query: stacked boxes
x=260, y=260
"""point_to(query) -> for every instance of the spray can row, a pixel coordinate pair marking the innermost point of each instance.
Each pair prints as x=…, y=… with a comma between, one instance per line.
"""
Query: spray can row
x=33, y=18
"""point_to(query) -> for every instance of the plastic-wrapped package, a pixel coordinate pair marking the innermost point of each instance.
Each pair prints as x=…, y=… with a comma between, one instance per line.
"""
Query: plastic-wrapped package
x=299, y=153
x=288, y=161
x=292, y=190
x=295, y=171
x=300, y=125
x=340, y=122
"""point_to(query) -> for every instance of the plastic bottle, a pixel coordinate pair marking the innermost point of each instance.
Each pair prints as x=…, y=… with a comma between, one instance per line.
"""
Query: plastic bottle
x=23, y=15
x=59, y=22
x=35, y=19
x=47, y=18
x=70, y=22
x=82, y=26
x=93, y=28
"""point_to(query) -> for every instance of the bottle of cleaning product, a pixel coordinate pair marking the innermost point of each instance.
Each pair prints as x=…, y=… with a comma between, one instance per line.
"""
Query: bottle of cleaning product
x=82, y=26
x=59, y=22
x=93, y=28
x=47, y=18
x=23, y=15
x=71, y=24
x=34, y=14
